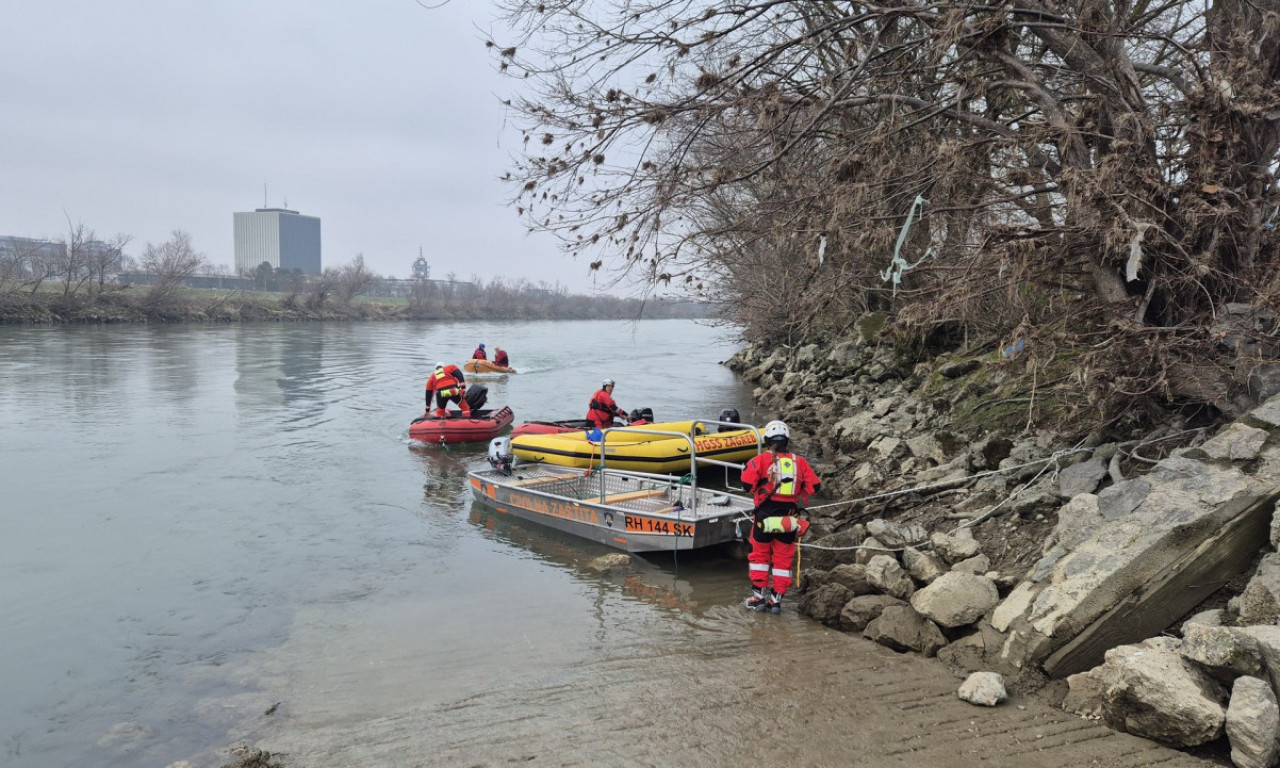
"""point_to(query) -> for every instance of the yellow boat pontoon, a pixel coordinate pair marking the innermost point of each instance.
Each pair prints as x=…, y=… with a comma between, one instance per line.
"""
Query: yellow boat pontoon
x=636, y=449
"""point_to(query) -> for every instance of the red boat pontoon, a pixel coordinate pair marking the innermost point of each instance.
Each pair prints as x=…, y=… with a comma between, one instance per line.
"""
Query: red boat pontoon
x=454, y=429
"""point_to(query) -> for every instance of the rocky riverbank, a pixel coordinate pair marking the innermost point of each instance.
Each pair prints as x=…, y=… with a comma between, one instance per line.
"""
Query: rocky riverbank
x=1132, y=579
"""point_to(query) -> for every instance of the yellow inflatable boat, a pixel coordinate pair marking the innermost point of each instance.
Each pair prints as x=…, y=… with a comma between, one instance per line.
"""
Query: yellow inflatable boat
x=634, y=450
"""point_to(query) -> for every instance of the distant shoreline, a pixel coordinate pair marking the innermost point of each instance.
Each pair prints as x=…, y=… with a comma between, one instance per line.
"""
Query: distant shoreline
x=206, y=306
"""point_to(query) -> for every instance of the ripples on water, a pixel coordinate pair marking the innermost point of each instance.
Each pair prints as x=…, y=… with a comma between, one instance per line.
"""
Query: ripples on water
x=199, y=522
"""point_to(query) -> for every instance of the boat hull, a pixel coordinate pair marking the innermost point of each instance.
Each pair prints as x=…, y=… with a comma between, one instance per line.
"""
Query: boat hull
x=637, y=515
x=484, y=425
x=551, y=427
x=635, y=451
x=485, y=366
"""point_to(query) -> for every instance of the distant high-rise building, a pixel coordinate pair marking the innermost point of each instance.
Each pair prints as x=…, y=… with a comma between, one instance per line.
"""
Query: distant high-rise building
x=282, y=238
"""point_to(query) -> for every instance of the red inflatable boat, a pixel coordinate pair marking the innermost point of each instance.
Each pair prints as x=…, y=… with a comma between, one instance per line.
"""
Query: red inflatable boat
x=483, y=425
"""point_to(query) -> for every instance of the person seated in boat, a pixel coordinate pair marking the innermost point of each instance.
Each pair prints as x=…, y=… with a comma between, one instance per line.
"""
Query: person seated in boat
x=781, y=484
x=602, y=409
x=479, y=353
x=449, y=386
x=500, y=357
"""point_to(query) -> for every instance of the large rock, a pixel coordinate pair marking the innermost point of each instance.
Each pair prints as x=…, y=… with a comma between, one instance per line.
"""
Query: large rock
x=1150, y=562
x=902, y=629
x=956, y=546
x=1253, y=724
x=1153, y=692
x=885, y=574
x=897, y=535
x=1221, y=648
x=824, y=603
x=1259, y=603
x=955, y=599
x=1081, y=478
x=924, y=567
x=864, y=609
x=1237, y=442
x=985, y=689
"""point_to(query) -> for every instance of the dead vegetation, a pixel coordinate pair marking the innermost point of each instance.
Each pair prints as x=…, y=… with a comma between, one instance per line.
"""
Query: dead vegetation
x=1094, y=181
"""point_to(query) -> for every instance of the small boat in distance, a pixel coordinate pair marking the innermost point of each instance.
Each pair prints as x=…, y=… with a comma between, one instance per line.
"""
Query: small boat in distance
x=631, y=511
x=485, y=366
x=455, y=428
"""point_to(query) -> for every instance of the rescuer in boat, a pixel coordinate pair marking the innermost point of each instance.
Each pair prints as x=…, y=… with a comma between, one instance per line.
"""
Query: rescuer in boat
x=781, y=484
x=500, y=357
x=479, y=353
x=449, y=385
x=602, y=408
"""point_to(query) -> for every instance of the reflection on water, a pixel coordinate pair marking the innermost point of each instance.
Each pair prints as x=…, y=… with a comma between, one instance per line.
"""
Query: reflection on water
x=690, y=582
x=202, y=521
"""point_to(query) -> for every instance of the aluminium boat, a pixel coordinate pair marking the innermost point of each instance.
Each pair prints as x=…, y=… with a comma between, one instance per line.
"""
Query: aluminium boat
x=631, y=511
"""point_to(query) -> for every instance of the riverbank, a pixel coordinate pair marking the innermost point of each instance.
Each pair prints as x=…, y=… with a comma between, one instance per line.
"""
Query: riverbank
x=138, y=305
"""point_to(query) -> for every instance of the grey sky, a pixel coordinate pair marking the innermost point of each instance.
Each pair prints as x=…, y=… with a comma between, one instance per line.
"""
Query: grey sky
x=380, y=117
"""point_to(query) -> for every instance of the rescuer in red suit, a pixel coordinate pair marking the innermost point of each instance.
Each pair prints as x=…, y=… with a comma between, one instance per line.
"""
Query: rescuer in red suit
x=449, y=385
x=602, y=408
x=479, y=353
x=781, y=484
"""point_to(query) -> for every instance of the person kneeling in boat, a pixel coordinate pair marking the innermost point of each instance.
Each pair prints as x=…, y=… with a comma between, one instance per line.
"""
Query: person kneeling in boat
x=449, y=385
x=479, y=353
x=781, y=484
x=602, y=408
x=500, y=357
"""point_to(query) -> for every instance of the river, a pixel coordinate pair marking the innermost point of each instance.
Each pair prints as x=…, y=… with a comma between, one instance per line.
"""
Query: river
x=215, y=535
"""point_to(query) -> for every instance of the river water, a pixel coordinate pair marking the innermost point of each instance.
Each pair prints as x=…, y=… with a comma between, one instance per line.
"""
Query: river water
x=221, y=535
x=199, y=520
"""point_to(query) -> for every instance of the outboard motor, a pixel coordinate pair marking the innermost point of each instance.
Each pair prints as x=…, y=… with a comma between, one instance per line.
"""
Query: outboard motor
x=500, y=456
x=476, y=396
x=728, y=414
x=640, y=416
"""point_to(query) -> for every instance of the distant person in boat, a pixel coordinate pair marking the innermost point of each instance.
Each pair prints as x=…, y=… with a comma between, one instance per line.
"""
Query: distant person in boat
x=781, y=484
x=602, y=408
x=500, y=357
x=449, y=386
x=479, y=353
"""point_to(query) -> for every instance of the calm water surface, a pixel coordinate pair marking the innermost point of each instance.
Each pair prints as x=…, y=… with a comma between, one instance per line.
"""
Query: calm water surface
x=199, y=522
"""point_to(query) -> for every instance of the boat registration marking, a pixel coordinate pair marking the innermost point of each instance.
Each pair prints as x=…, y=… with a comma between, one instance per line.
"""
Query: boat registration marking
x=648, y=525
x=552, y=508
x=721, y=443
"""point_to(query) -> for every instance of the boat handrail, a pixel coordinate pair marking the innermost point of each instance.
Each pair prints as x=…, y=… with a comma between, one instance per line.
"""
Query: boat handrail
x=693, y=452
x=739, y=467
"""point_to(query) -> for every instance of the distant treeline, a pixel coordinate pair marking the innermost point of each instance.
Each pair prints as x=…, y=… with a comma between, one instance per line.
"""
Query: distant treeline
x=321, y=299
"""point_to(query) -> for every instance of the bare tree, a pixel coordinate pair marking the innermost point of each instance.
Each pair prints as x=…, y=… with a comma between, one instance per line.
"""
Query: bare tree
x=353, y=279
x=170, y=263
x=1104, y=167
x=105, y=260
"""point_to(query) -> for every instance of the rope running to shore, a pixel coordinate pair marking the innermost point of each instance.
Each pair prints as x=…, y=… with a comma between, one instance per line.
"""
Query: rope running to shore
x=1050, y=461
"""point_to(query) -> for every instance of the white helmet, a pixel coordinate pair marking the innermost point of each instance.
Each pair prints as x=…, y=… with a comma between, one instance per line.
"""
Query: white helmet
x=776, y=430
x=607, y=383
x=439, y=366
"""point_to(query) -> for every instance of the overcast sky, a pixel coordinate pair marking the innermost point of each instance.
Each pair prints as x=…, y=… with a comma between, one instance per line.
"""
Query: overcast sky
x=380, y=117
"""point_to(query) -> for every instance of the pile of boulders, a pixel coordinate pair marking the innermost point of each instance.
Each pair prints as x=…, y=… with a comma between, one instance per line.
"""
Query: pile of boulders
x=1105, y=603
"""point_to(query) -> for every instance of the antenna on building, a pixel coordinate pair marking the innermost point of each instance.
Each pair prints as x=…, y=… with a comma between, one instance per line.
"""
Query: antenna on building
x=286, y=202
x=264, y=194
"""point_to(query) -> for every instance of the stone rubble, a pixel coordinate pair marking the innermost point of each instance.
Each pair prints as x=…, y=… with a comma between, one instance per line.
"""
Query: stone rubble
x=875, y=427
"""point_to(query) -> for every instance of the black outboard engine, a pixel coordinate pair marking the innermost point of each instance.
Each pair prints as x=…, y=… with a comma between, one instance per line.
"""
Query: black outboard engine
x=728, y=414
x=500, y=457
x=476, y=396
x=641, y=416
